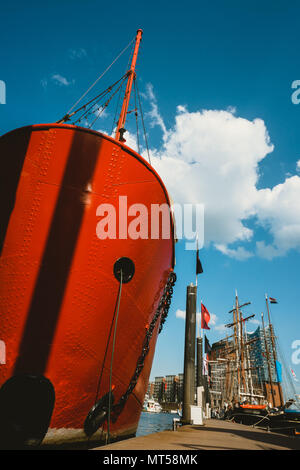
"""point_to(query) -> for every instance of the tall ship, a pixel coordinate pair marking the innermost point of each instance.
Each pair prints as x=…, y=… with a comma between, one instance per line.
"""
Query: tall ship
x=246, y=376
x=81, y=301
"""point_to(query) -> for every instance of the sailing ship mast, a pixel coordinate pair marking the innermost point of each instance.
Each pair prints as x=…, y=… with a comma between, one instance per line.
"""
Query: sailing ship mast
x=241, y=377
x=131, y=76
x=248, y=365
x=274, y=350
x=268, y=359
x=237, y=342
x=242, y=355
x=243, y=368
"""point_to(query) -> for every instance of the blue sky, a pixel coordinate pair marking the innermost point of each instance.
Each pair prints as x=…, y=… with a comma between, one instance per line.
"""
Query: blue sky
x=232, y=57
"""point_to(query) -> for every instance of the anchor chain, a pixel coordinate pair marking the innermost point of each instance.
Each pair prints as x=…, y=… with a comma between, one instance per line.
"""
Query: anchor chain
x=162, y=310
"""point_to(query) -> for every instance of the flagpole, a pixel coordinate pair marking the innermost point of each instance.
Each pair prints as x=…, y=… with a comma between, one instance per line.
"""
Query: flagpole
x=197, y=290
x=196, y=261
x=204, y=356
x=274, y=351
x=199, y=316
x=199, y=270
x=267, y=302
x=201, y=319
x=203, y=350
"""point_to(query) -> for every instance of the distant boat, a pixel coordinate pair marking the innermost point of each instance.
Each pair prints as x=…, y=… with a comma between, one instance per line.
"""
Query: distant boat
x=152, y=406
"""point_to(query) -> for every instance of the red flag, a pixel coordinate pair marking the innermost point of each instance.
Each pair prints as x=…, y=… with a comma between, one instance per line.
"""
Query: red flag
x=272, y=300
x=205, y=317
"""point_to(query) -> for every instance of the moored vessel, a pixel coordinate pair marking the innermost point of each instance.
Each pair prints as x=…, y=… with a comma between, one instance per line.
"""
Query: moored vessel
x=246, y=377
x=152, y=406
x=80, y=311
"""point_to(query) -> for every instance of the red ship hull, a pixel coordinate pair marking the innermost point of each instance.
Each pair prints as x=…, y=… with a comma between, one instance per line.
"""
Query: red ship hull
x=57, y=285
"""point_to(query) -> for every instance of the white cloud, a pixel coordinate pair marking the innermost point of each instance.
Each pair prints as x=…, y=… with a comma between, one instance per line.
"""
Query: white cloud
x=267, y=251
x=278, y=210
x=180, y=314
x=155, y=117
x=77, y=53
x=180, y=108
x=254, y=321
x=44, y=83
x=99, y=113
x=212, y=157
x=240, y=253
x=131, y=141
x=221, y=328
x=213, y=319
x=231, y=109
x=298, y=165
x=60, y=80
x=57, y=79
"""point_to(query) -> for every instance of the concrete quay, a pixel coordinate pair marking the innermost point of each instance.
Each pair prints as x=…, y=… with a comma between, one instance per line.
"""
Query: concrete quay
x=213, y=435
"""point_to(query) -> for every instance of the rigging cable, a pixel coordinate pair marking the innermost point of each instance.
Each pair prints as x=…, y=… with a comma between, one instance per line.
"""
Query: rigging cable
x=96, y=81
x=115, y=316
x=286, y=376
x=290, y=386
x=136, y=115
x=142, y=117
x=112, y=357
x=107, y=103
x=102, y=95
x=106, y=349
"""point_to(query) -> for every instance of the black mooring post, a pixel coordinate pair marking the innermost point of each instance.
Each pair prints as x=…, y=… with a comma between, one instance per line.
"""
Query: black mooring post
x=189, y=354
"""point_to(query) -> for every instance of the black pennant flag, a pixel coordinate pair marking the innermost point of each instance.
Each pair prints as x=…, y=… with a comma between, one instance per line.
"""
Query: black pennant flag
x=199, y=269
x=207, y=347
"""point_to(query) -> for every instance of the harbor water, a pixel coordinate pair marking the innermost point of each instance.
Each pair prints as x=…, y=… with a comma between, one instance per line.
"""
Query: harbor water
x=155, y=422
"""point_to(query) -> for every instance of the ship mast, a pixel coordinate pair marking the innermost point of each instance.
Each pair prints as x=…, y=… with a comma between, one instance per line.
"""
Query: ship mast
x=242, y=356
x=239, y=345
x=274, y=350
x=249, y=368
x=236, y=320
x=268, y=359
x=131, y=76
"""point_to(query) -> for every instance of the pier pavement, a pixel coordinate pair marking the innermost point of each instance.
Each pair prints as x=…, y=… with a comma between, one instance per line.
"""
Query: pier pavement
x=213, y=435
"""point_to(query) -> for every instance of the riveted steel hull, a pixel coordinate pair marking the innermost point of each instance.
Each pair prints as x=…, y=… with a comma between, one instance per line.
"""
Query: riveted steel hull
x=57, y=286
